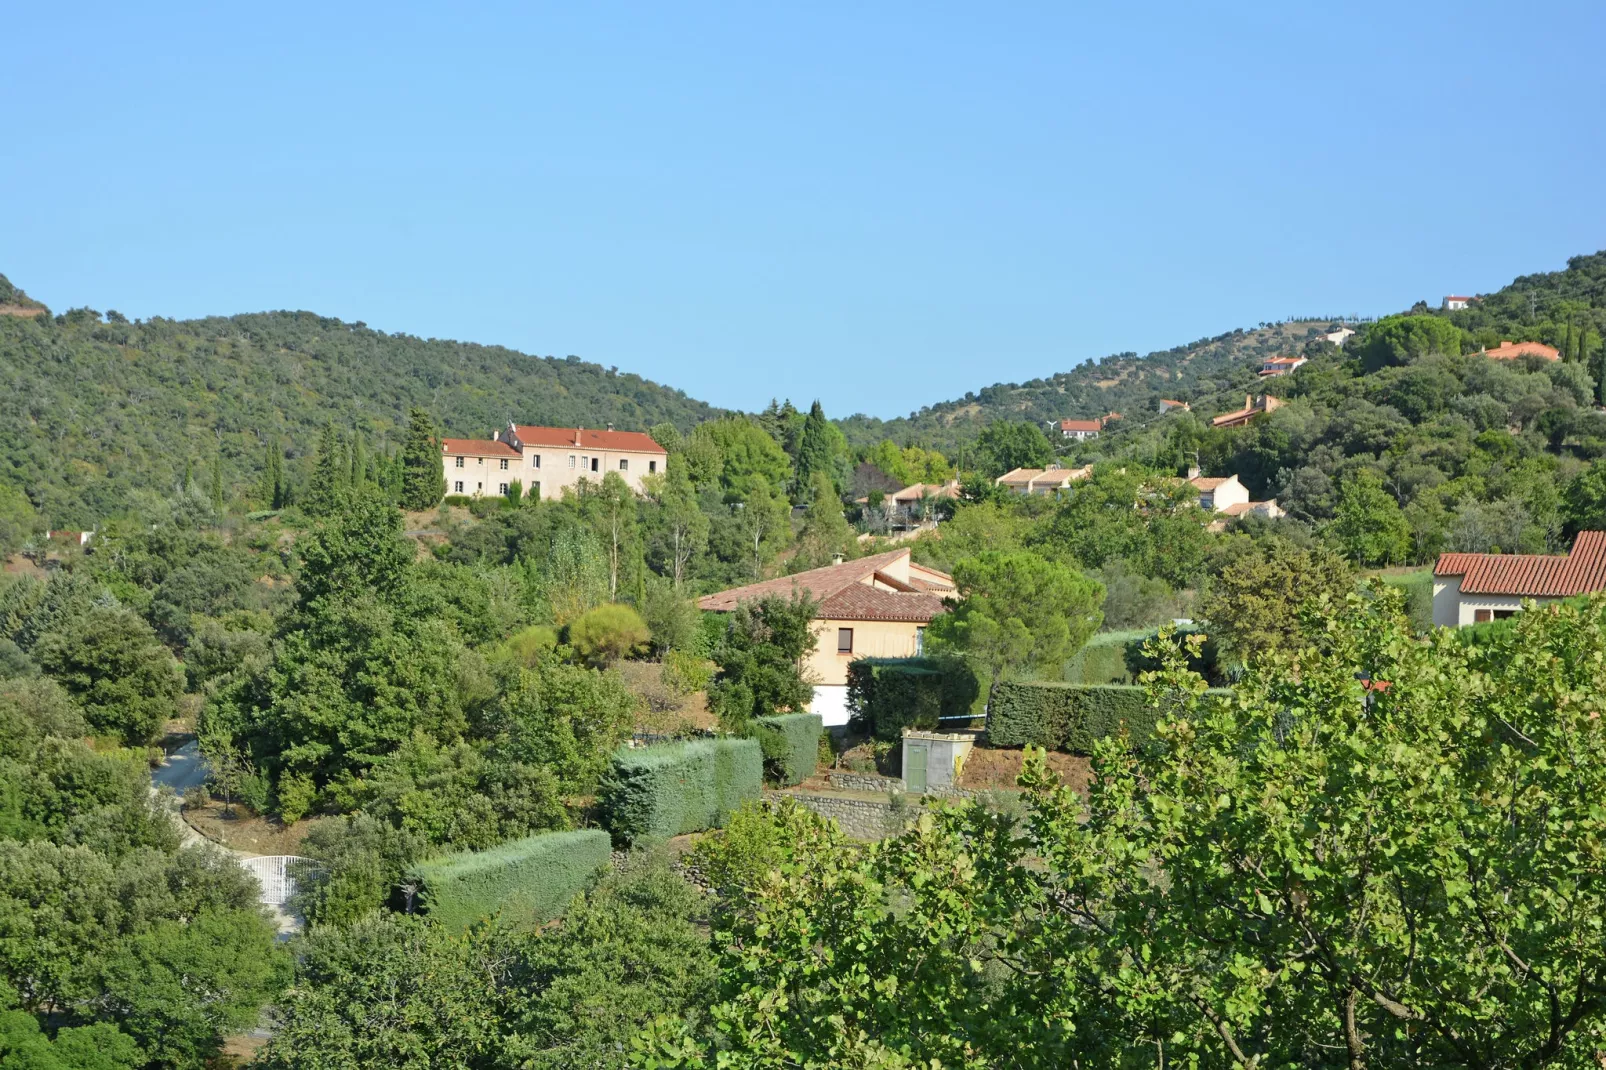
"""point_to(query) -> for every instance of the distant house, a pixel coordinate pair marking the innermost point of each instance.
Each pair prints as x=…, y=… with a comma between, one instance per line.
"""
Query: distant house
x=1472, y=588
x=1080, y=430
x=1452, y=303
x=1167, y=405
x=559, y=457
x=1340, y=336
x=1513, y=350
x=1280, y=366
x=71, y=538
x=1253, y=407
x=1227, y=496
x=1042, y=480
x=875, y=607
x=912, y=505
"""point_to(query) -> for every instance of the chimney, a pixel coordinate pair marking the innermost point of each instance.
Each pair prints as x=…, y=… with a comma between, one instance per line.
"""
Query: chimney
x=610, y=427
x=837, y=559
x=1193, y=471
x=577, y=435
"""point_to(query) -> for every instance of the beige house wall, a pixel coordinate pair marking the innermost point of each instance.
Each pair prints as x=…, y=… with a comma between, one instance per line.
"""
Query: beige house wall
x=871, y=639
x=1452, y=609
x=554, y=468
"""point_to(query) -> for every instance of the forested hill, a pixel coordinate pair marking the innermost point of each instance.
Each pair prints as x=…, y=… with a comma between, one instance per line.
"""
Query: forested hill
x=1122, y=382
x=98, y=410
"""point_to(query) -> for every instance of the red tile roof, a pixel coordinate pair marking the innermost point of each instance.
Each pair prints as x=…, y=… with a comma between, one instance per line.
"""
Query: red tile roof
x=838, y=590
x=1209, y=482
x=1081, y=425
x=1513, y=350
x=477, y=447
x=628, y=441
x=1532, y=575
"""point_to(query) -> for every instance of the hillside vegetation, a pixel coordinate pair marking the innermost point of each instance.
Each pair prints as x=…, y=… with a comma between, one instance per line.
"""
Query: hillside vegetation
x=100, y=411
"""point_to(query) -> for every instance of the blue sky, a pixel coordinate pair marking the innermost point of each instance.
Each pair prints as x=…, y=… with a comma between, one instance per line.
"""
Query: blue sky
x=881, y=206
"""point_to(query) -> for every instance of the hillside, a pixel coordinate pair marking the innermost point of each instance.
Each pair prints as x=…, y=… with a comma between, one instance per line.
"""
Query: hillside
x=99, y=410
x=1122, y=382
x=13, y=302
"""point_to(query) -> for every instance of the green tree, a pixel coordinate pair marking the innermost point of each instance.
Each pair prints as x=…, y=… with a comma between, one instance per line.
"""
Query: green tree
x=680, y=529
x=18, y=521
x=274, y=492
x=607, y=633
x=1368, y=526
x=610, y=507
x=114, y=666
x=816, y=454
x=764, y=522
x=826, y=535
x=1584, y=499
x=329, y=483
x=1404, y=339
x=1005, y=445
x=217, y=484
x=760, y=660
x=1255, y=604
x=1017, y=614
x=423, y=480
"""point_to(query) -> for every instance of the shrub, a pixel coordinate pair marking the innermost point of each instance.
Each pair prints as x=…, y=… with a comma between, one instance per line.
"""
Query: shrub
x=791, y=745
x=607, y=633
x=521, y=883
x=1418, y=590
x=680, y=787
x=1071, y=717
x=1103, y=660
x=684, y=673
x=1207, y=663
x=461, y=500
x=296, y=794
x=888, y=695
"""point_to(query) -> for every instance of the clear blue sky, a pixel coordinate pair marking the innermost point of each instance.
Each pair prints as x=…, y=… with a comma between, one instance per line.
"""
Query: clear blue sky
x=879, y=205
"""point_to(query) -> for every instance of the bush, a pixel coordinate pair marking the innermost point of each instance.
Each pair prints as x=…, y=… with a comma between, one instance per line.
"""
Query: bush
x=521, y=883
x=1418, y=590
x=607, y=633
x=791, y=745
x=1207, y=663
x=684, y=673
x=888, y=695
x=461, y=500
x=1103, y=660
x=665, y=791
x=296, y=795
x=1071, y=717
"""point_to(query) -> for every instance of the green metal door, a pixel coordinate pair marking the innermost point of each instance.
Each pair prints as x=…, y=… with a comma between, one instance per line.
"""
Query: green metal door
x=914, y=776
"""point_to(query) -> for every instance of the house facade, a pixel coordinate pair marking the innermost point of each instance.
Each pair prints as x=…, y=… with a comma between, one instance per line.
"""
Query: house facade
x=875, y=607
x=1080, y=430
x=1228, y=498
x=1274, y=366
x=1253, y=407
x=1455, y=303
x=1473, y=588
x=1339, y=336
x=547, y=460
x=1042, y=480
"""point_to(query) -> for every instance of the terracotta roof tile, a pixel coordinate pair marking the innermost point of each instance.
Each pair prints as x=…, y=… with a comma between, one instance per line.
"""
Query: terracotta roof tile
x=1532, y=575
x=819, y=583
x=477, y=447
x=561, y=437
x=860, y=601
x=1081, y=425
x=1513, y=350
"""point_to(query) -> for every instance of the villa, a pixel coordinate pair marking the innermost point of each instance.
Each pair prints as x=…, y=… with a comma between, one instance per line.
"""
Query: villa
x=1473, y=588
x=547, y=460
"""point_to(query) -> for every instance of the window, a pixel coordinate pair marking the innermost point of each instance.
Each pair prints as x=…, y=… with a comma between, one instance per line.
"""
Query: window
x=503, y=463
x=920, y=642
x=501, y=488
x=652, y=466
x=595, y=461
x=478, y=487
x=571, y=460
x=624, y=464
x=535, y=461
x=1503, y=614
x=459, y=462
x=457, y=488
x=844, y=640
x=1479, y=616
x=479, y=460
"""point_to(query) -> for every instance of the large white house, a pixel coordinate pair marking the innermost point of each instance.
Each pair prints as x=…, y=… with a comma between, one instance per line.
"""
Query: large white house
x=1473, y=588
x=545, y=460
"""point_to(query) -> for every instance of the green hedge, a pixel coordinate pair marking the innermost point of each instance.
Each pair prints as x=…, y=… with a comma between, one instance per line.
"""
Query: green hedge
x=1103, y=659
x=663, y=791
x=887, y=695
x=526, y=882
x=1071, y=717
x=1418, y=590
x=791, y=745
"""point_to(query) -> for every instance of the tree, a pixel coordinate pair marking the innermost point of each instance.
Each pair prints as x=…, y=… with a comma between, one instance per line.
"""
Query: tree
x=1404, y=339
x=815, y=455
x=611, y=507
x=1255, y=604
x=423, y=478
x=1017, y=613
x=763, y=520
x=18, y=522
x=1005, y=445
x=1376, y=852
x=760, y=661
x=607, y=633
x=273, y=490
x=217, y=483
x=577, y=575
x=826, y=534
x=112, y=663
x=327, y=489
x=683, y=529
x=1368, y=526
x=1584, y=499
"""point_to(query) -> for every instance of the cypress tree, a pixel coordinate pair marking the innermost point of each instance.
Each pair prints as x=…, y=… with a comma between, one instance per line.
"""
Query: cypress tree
x=813, y=453
x=326, y=491
x=359, y=463
x=217, y=482
x=189, y=474
x=268, y=490
x=423, y=482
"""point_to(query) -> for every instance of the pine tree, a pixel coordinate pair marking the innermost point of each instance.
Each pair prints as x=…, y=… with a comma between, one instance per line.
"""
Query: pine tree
x=813, y=453
x=423, y=482
x=327, y=490
x=217, y=482
x=189, y=474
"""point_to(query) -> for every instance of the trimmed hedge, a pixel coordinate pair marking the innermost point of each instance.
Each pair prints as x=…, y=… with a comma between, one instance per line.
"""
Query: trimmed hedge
x=1070, y=717
x=887, y=695
x=791, y=744
x=663, y=791
x=1103, y=659
x=526, y=882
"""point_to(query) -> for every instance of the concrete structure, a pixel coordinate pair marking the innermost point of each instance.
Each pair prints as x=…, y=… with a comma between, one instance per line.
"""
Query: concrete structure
x=1453, y=303
x=1229, y=498
x=1473, y=588
x=1513, y=350
x=1080, y=430
x=875, y=607
x=1167, y=405
x=1274, y=366
x=1042, y=480
x=1340, y=336
x=1253, y=407
x=547, y=460
x=932, y=761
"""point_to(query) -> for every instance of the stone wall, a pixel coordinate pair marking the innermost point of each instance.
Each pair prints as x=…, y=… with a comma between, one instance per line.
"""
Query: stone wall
x=846, y=781
x=863, y=819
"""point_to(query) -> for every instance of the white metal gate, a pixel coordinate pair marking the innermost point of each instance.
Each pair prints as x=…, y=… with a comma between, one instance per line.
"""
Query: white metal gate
x=274, y=874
